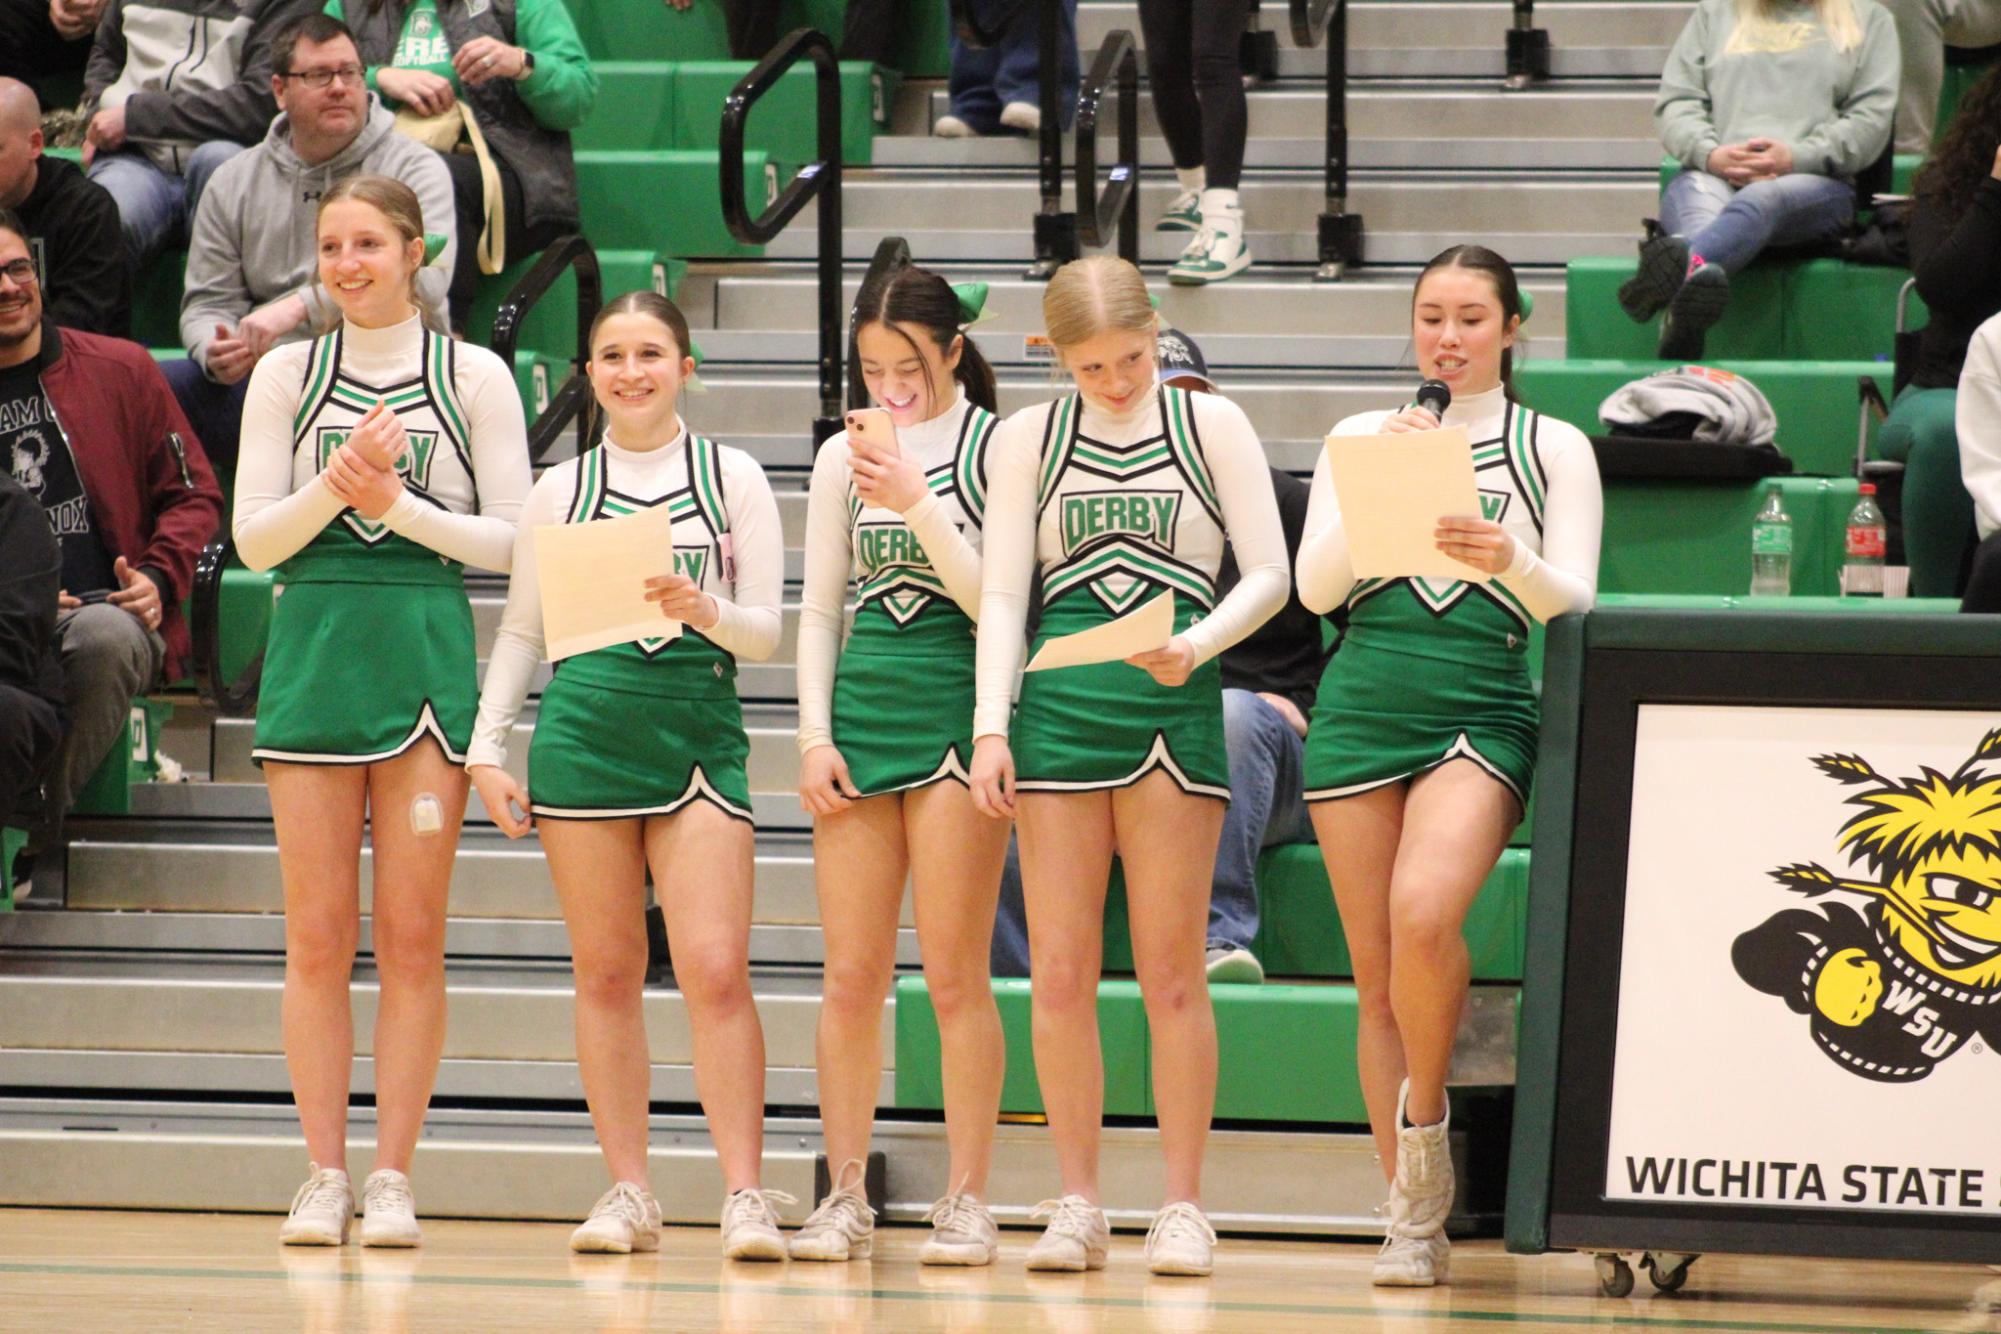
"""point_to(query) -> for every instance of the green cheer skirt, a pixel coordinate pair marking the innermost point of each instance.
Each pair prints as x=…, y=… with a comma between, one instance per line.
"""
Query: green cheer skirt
x=903, y=700
x=605, y=753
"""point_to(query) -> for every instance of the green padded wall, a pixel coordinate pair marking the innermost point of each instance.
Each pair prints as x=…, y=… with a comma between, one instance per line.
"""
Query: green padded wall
x=621, y=29
x=664, y=199
x=1286, y=1053
x=1121, y=1033
x=1688, y=537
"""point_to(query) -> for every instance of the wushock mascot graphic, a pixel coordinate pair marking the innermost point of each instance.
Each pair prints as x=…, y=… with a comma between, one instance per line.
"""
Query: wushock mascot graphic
x=1902, y=983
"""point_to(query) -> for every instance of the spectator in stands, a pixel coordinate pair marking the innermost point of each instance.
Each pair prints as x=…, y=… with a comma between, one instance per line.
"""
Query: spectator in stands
x=752, y=24
x=442, y=63
x=1955, y=236
x=1422, y=750
x=72, y=224
x=1195, y=69
x=1772, y=109
x=1925, y=28
x=175, y=89
x=999, y=87
x=88, y=427
x=31, y=675
x=1979, y=418
x=45, y=39
x=252, y=279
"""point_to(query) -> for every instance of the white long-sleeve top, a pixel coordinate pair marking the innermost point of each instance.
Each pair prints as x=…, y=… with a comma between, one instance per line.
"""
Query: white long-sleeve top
x=747, y=606
x=1192, y=456
x=464, y=477
x=949, y=449
x=1538, y=478
x=1977, y=419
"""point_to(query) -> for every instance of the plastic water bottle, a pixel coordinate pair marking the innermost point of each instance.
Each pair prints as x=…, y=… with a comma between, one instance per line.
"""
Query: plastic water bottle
x=1772, y=548
x=1862, y=575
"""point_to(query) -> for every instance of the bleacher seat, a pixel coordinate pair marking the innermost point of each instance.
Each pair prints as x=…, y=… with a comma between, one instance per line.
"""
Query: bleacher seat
x=133, y=758
x=12, y=840
x=1695, y=537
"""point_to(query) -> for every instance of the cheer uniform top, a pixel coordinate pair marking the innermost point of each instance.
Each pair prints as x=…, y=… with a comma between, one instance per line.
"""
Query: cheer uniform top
x=371, y=643
x=1103, y=512
x=643, y=728
x=898, y=699
x=1432, y=670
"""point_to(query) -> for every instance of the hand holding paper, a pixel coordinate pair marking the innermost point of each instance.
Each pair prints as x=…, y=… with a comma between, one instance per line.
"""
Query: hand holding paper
x=1393, y=490
x=1137, y=632
x=593, y=578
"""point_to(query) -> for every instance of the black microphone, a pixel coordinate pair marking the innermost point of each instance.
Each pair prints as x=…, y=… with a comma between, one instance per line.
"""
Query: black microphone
x=1436, y=395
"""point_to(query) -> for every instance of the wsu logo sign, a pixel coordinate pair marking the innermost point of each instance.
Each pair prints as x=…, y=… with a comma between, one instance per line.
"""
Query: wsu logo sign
x=1897, y=971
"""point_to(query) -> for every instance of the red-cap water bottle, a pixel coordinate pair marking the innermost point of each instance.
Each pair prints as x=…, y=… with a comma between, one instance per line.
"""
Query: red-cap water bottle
x=1862, y=573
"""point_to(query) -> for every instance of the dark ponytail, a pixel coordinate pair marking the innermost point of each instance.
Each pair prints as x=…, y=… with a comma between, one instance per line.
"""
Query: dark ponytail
x=920, y=297
x=1507, y=290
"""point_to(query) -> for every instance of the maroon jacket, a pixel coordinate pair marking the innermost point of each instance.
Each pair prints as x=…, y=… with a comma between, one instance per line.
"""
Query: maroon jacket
x=153, y=497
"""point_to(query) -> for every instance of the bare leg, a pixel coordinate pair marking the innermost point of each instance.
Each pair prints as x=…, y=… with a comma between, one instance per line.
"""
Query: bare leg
x=1066, y=857
x=1457, y=820
x=413, y=875
x=858, y=871
x=703, y=862
x=957, y=854
x=1167, y=841
x=317, y=812
x=600, y=873
x=1358, y=842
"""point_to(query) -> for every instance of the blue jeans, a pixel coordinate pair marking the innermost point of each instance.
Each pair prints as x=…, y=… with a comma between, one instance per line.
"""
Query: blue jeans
x=214, y=410
x=156, y=209
x=1727, y=226
x=986, y=80
x=1267, y=807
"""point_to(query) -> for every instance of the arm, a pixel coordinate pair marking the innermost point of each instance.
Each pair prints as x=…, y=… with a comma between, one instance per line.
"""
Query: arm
x=501, y=478
x=956, y=560
x=90, y=287
x=1978, y=422
x=1565, y=576
x=272, y=521
x=186, y=503
x=1250, y=516
x=107, y=55
x=829, y=559
x=518, y=646
x=750, y=622
x=1008, y=537
x=1860, y=129
x=241, y=112
x=216, y=292
x=1682, y=110
x=1959, y=269
x=1324, y=570
x=564, y=88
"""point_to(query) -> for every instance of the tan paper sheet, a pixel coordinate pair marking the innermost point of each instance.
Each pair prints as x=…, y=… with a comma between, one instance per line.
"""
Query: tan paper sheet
x=1393, y=489
x=593, y=578
x=1139, y=631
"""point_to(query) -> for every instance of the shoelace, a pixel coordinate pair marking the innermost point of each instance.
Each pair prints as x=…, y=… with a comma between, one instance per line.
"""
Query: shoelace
x=385, y=1194
x=1180, y=1219
x=1071, y=1216
x=957, y=1212
x=756, y=1205
x=1397, y=1246
x=1419, y=1153
x=625, y=1201
x=838, y=1210
x=322, y=1189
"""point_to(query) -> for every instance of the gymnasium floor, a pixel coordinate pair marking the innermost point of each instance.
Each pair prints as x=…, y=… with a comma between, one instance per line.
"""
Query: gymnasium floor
x=79, y=1270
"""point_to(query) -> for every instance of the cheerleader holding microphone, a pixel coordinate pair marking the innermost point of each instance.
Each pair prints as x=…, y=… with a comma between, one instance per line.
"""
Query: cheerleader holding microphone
x=639, y=760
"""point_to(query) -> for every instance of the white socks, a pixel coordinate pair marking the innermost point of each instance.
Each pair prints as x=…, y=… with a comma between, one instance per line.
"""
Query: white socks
x=1192, y=179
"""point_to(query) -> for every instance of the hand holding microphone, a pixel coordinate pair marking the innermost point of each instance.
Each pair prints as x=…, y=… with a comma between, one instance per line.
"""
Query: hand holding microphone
x=1427, y=413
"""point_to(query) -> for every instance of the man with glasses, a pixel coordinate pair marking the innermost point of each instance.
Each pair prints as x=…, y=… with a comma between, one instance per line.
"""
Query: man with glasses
x=252, y=280
x=88, y=428
x=175, y=88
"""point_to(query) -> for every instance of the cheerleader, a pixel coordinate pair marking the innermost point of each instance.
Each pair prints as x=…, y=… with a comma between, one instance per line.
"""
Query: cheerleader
x=1104, y=499
x=885, y=734
x=377, y=462
x=638, y=760
x=1422, y=741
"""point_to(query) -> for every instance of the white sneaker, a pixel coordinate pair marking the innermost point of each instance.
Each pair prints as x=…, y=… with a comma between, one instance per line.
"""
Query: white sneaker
x=1024, y=116
x=1078, y=1237
x=1183, y=215
x=1181, y=1241
x=625, y=1219
x=963, y=1232
x=951, y=127
x=750, y=1225
x=1217, y=252
x=321, y=1212
x=1412, y=1262
x=843, y=1227
x=1235, y=964
x=388, y=1211
x=1416, y=1254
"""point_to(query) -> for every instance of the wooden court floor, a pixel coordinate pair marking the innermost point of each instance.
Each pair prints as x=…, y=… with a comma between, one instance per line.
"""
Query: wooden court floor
x=64, y=1270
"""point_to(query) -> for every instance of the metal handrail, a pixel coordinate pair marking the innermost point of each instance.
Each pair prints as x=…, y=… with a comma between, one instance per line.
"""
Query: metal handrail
x=1055, y=228
x=1340, y=231
x=1119, y=201
x=892, y=254
x=966, y=25
x=231, y=699
x=1528, y=50
x=819, y=180
x=572, y=400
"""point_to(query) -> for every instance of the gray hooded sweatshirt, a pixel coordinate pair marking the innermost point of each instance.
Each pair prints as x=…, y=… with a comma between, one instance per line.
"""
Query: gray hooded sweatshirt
x=253, y=234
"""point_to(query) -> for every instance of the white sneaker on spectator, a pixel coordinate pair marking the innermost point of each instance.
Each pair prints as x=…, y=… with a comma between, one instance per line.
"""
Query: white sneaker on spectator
x=750, y=1225
x=963, y=1232
x=321, y=1211
x=1023, y=116
x=951, y=127
x=1234, y=963
x=1078, y=1237
x=625, y=1219
x=1183, y=215
x=843, y=1227
x=388, y=1211
x=1181, y=1241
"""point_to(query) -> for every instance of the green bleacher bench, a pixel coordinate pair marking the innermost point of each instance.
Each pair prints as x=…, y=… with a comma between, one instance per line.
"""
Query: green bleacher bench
x=679, y=105
x=12, y=840
x=1814, y=400
x=1782, y=310
x=133, y=758
x=666, y=200
x=622, y=29
x=1121, y=1032
x=1695, y=537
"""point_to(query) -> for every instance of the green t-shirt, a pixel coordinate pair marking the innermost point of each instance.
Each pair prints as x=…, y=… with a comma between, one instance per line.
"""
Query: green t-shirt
x=423, y=41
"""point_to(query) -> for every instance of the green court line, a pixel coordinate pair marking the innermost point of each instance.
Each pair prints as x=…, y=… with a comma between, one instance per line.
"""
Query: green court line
x=1611, y=1320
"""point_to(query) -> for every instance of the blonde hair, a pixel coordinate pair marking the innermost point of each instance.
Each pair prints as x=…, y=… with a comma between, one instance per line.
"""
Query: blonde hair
x=1087, y=297
x=1763, y=29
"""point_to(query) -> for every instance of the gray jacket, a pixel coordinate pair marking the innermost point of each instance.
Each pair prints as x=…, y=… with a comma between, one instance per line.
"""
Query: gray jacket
x=1733, y=411
x=254, y=238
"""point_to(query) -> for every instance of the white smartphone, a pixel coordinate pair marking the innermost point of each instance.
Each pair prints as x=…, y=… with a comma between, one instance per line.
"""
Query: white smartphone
x=873, y=428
